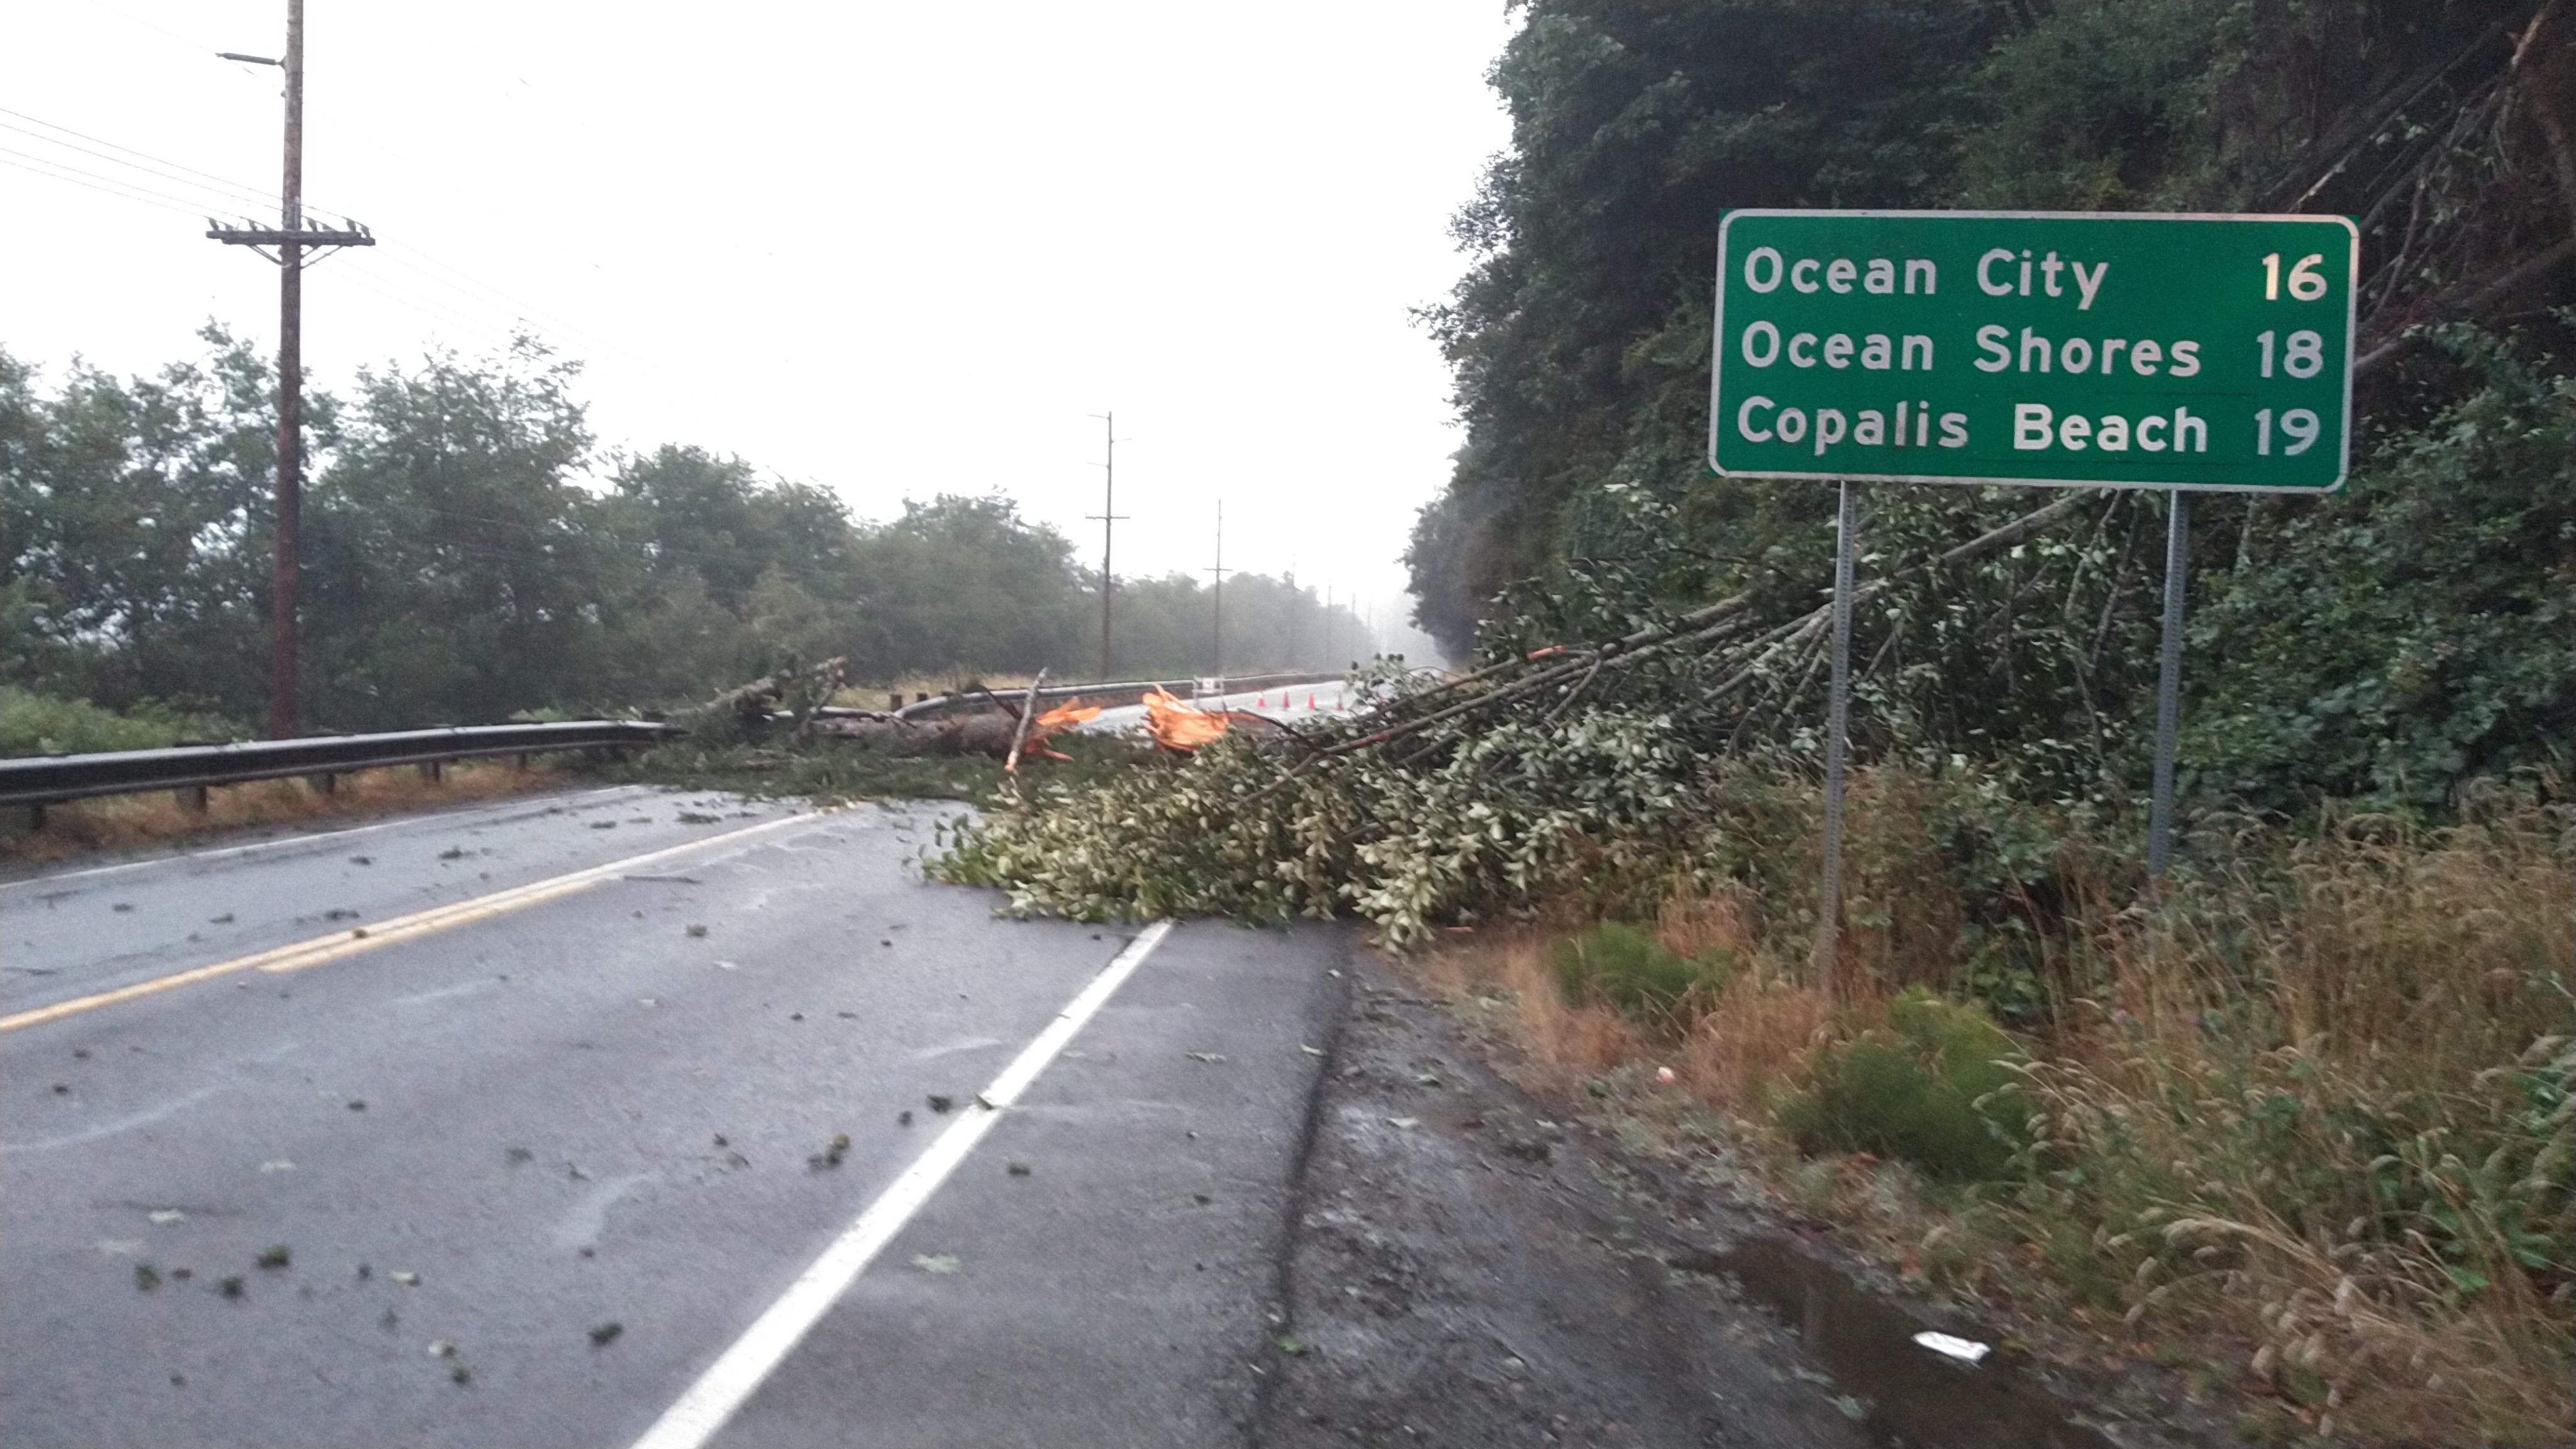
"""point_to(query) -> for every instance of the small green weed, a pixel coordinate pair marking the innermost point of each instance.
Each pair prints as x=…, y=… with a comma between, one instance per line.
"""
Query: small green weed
x=1934, y=1089
x=1628, y=967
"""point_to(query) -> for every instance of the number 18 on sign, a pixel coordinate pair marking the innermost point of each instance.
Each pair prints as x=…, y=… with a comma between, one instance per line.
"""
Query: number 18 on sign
x=2069, y=349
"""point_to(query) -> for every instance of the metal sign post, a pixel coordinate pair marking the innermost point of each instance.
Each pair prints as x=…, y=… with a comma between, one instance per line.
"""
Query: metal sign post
x=2069, y=349
x=2169, y=684
x=1837, y=736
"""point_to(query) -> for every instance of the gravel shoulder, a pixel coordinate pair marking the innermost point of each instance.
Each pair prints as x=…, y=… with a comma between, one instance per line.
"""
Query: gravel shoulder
x=1464, y=1269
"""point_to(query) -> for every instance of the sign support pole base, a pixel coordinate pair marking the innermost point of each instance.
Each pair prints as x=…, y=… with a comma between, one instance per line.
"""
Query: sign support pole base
x=1829, y=895
x=2169, y=683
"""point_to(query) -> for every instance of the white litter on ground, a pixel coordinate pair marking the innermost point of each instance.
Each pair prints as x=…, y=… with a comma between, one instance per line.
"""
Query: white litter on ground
x=1965, y=1350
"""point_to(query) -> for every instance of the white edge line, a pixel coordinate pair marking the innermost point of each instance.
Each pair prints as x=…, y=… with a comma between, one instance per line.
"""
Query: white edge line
x=731, y=1380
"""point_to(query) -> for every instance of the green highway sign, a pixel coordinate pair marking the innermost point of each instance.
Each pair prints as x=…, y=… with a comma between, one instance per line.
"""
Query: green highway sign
x=2088, y=348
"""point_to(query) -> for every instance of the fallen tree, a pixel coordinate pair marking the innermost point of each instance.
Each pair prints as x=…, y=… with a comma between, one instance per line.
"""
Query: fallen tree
x=1446, y=801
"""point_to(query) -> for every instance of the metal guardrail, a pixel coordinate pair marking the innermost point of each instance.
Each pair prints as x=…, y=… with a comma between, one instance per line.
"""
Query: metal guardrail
x=45, y=779
x=1183, y=687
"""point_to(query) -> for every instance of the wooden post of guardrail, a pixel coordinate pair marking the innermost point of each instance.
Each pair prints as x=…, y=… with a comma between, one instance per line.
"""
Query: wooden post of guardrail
x=192, y=798
x=35, y=817
x=433, y=770
x=325, y=783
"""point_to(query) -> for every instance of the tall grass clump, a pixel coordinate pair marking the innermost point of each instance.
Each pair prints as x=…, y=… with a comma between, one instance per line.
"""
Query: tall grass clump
x=2320, y=1103
x=2307, y=1113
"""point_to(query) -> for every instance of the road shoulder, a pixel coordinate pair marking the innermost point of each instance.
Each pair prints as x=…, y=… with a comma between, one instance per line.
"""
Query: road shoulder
x=1105, y=1268
x=1455, y=1277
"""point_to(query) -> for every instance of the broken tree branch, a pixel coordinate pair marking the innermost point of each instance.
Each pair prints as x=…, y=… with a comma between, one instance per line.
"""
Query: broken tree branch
x=1020, y=736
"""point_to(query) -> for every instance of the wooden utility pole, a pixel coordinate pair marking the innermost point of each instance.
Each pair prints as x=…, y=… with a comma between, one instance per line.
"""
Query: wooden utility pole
x=291, y=237
x=1220, y=571
x=1109, y=517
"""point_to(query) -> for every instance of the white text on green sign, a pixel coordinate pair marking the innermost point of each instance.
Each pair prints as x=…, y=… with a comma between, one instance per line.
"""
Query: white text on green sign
x=2077, y=348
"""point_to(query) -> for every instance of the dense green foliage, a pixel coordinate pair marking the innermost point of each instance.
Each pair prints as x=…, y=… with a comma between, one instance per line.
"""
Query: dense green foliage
x=1933, y=1089
x=470, y=553
x=2386, y=643
x=1621, y=964
x=40, y=724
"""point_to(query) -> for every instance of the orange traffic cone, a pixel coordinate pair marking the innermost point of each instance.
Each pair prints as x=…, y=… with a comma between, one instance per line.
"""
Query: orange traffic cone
x=1261, y=701
x=1310, y=700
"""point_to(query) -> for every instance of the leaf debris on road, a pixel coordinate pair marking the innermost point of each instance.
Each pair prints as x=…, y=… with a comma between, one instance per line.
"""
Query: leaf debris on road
x=940, y=1264
x=146, y=1277
x=604, y=1334
x=275, y=1255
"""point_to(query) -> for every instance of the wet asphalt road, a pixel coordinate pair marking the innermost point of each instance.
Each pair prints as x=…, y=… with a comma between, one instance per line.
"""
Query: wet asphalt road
x=616, y=1106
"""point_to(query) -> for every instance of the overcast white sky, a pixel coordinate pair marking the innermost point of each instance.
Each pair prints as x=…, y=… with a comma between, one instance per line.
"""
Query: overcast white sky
x=893, y=249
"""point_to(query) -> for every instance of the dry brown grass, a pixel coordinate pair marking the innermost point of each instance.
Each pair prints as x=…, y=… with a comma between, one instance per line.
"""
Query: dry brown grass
x=1560, y=1042
x=127, y=822
x=2317, y=1112
x=1747, y=1037
x=2303, y=1127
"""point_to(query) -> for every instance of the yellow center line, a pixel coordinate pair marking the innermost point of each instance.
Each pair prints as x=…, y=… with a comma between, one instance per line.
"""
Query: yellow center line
x=338, y=944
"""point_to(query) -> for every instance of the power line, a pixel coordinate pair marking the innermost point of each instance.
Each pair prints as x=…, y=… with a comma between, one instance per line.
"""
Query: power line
x=234, y=194
x=123, y=190
x=113, y=185
x=233, y=197
x=264, y=198
x=182, y=206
